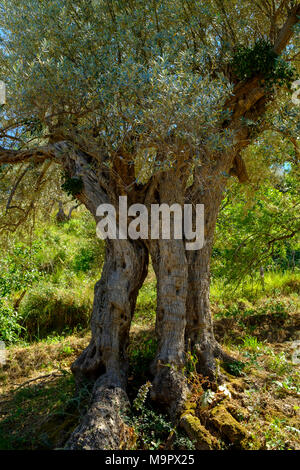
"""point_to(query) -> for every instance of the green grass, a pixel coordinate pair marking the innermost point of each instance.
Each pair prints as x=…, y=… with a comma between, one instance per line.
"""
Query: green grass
x=66, y=260
x=42, y=416
x=47, y=309
x=252, y=343
x=146, y=304
x=55, y=278
x=276, y=283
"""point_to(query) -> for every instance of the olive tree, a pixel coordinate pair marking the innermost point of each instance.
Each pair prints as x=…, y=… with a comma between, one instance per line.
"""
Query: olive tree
x=155, y=101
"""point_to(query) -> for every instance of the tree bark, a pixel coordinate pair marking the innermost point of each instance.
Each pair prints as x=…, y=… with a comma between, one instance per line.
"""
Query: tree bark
x=199, y=334
x=170, y=265
x=103, y=426
x=105, y=359
x=123, y=274
x=183, y=315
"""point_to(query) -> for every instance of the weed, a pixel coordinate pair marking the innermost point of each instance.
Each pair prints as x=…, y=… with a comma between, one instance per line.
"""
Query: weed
x=289, y=384
x=234, y=368
x=251, y=342
x=152, y=428
x=279, y=364
x=275, y=437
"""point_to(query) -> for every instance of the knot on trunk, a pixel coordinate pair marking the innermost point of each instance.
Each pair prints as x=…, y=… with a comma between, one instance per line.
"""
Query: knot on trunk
x=239, y=169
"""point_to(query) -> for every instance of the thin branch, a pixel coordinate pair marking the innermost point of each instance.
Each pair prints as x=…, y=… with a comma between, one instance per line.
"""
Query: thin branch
x=53, y=374
x=14, y=188
x=283, y=237
x=38, y=154
x=286, y=31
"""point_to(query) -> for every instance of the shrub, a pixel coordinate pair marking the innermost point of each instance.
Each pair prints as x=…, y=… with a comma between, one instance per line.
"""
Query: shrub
x=153, y=429
x=84, y=259
x=261, y=59
x=10, y=328
x=234, y=368
x=48, y=309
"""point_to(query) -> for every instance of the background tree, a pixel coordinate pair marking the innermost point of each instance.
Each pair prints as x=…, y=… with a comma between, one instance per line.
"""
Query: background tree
x=258, y=225
x=156, y=101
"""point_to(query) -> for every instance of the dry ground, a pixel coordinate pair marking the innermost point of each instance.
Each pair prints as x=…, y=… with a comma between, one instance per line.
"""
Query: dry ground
x=38, y=407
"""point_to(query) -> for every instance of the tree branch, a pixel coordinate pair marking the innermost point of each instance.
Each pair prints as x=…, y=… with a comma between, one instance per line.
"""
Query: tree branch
x=14, y=188
x=286, y=31
x=38, y=154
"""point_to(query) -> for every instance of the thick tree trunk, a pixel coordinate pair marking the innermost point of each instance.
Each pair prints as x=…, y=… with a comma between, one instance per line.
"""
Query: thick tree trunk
x=123, y=274
x=183, y=320
x=169, y=261
x=170, y=265
x=105, y=359
x=103, y=427
x=199, y=334
x=199, y=330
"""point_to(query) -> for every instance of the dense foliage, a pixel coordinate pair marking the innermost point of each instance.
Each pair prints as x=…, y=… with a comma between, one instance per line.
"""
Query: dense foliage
x=261, y=59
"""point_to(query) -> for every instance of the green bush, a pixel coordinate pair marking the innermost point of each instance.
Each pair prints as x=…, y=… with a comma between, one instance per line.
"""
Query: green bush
x=48, y=309
x=153, y=429
x=84, y=259
x=10, y=328
x=261, y=59
x=18, y=269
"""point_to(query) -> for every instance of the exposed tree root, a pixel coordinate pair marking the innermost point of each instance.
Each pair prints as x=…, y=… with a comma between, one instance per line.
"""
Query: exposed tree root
x=103, y=426
x=207, y=353
x=202, y=438
x=169, y=389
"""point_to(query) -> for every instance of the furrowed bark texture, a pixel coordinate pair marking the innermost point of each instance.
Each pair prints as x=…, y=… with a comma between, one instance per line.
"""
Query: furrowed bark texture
x=115, y=296
x=103, y=427
x=105, y=359
x=199, y=334
x=170, y=265
x=124, y=271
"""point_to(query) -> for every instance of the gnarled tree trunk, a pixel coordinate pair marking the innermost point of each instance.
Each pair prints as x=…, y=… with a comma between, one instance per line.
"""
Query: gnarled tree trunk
x=170, y=265
x=183, y=312
x=199, y=334
x=105, y=359
x=183, y=319
x=123, y=274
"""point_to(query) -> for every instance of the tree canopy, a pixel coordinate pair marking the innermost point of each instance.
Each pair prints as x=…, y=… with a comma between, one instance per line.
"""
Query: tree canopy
x=146, y=78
